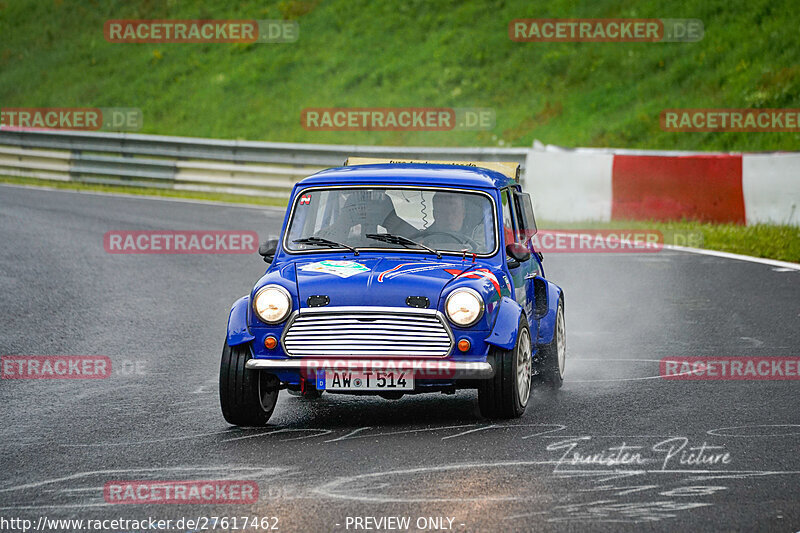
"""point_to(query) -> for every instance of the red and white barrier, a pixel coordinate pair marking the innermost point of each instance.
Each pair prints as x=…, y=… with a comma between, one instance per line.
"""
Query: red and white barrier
x=569, y=185
x=597, y=184
x=771, y=184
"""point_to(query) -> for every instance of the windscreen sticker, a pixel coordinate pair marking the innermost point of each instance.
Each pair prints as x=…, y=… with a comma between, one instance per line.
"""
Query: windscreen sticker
x=478, y=273
x=343, y=269
x=305, y=200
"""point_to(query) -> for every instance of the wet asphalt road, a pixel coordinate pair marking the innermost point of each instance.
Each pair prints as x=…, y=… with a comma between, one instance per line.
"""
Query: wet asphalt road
x=320, y=464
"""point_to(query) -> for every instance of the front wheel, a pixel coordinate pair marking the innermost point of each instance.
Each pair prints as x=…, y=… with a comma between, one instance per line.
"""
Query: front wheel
x=247, y=397
x=506, y=393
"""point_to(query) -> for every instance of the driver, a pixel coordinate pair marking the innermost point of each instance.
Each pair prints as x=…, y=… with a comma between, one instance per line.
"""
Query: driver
x=455, y=214
x=448, y=212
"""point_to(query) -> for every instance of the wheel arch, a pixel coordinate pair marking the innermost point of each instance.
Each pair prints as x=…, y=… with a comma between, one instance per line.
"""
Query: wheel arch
x=547, y=321
x=506, y=325
x=238, y=332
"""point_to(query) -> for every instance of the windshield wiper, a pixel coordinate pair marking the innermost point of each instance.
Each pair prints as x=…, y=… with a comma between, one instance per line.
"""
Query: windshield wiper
x=391, y=238
x=324, y=242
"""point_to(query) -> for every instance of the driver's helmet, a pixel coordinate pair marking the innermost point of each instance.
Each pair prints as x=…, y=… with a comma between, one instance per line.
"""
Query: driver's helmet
x=367, y=208
x=442, y=205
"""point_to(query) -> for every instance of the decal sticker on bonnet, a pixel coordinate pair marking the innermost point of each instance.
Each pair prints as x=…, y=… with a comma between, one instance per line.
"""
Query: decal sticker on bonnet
x=343, y=269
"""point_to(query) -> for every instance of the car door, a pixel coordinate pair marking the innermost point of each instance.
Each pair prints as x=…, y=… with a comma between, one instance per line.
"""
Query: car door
x=525, y=224
x=534, y=277
x=514, y=232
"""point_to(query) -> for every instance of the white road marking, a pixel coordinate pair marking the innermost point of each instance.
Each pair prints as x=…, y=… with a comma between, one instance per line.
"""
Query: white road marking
x=737, y=257
x=601, y=360
x=347, y=437
x=354, y=432
x=330, y=489
x=469, y=431
x=321, y=432
x=554, y=427
x=717, y=431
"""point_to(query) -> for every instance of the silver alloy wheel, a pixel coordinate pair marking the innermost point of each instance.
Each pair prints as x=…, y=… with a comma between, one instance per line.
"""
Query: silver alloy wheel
x=561, y=340
x=524, y=365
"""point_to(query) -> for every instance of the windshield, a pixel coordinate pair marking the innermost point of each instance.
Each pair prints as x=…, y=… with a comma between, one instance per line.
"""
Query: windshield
x=445, y=220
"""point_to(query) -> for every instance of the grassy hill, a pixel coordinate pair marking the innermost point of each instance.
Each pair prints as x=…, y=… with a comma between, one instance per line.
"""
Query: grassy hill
x=362, y=53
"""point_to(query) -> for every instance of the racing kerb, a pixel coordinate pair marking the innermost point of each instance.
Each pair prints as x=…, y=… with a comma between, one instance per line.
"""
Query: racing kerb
x=611, y=184
x=566, y=184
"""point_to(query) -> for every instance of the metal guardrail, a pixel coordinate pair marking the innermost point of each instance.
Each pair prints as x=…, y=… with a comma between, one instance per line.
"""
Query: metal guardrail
x=186, y=163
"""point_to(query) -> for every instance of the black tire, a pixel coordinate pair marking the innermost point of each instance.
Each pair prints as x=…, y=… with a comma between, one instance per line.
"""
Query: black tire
x=551, y=366
x=247, y=397
x=499, y=396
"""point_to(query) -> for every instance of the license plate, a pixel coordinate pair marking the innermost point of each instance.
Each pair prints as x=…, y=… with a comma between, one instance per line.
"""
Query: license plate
x=364, y=381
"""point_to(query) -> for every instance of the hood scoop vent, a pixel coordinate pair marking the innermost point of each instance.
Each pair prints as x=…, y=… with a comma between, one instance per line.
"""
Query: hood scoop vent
x=419, y=302
x=318, y=300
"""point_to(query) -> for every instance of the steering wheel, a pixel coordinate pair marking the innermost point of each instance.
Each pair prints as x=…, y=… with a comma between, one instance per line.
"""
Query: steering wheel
x=461, y=239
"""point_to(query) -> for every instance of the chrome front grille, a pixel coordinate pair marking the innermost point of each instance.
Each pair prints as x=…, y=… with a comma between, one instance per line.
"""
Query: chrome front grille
x=367, y=332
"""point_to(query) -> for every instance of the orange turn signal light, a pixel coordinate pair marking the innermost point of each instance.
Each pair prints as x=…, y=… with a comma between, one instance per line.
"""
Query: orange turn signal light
x=463, y=345
x=270, y=342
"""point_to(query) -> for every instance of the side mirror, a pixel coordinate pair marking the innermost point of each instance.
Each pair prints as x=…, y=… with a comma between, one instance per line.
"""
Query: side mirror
x=518, y=253
x=267, y=250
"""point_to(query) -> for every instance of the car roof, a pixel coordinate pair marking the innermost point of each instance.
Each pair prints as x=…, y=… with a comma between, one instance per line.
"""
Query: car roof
x=410, y=174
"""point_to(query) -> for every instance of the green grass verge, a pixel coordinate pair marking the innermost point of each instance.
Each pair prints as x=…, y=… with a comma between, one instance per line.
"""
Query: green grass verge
x=773, y=242
x=760, y=240
x=403, y=53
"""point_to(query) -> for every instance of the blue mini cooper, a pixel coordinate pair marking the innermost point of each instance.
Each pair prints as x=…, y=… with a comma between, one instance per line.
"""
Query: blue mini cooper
x=393, y=278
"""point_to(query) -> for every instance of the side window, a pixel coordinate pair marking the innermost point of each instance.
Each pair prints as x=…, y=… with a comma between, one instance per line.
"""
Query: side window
x=525, y=219
x=508, y=221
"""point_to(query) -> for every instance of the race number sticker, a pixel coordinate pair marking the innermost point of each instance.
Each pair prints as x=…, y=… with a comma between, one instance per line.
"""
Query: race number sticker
x=343, y=269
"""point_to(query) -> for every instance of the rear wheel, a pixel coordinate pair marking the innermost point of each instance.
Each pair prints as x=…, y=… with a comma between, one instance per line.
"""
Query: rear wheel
x=554, y=355
x=247, y=397
x=506, y=393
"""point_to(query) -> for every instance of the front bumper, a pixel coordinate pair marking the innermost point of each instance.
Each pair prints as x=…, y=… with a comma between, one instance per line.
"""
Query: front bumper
x=423, y=369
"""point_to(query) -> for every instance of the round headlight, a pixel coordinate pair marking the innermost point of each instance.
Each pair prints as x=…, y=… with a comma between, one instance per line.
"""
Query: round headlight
x=464, y=307
x=272, y=304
